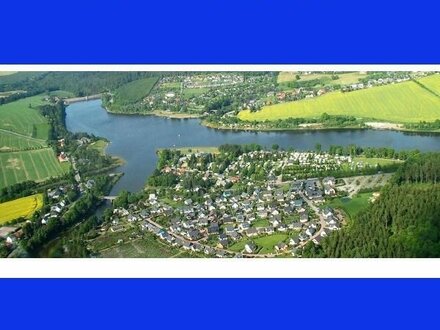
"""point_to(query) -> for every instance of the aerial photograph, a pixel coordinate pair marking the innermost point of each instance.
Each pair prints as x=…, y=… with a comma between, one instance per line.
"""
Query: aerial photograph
x=190, y=164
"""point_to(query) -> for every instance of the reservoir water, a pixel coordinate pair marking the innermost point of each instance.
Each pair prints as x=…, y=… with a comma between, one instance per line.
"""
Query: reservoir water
x=136, y=138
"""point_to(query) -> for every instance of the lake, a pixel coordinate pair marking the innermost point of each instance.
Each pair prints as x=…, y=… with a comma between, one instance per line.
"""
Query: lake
x=136, y=138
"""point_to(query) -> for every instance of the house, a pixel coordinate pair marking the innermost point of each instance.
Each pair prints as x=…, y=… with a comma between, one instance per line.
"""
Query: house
x=303, y=217
x=223, y=244
x=281, y=247
x=329, y=181
x=310, y=231
x=229, y=229
x=213, y=228
x=294, y=241
x=250, y=247
x=251, y=232
x=317, y=240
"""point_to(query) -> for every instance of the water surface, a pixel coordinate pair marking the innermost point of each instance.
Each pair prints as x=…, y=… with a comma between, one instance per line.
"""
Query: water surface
x=136, y=138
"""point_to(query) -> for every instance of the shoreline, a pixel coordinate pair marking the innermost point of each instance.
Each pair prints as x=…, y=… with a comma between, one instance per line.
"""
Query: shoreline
x=376, y=125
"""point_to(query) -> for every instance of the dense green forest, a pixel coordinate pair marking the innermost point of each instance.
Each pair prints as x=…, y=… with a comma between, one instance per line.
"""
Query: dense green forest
x=79, y=83
x=403, y=222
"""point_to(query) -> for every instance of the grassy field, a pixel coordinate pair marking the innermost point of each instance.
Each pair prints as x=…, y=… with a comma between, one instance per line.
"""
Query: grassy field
x=19, y=118
x=344, y=78
x=134, y=91
x=189, y=92
x=404, y=102
x=267, y=243
x=432, y=82
x=351, y=206
x=10, y=141
x=99, y=145
x=260, y=223
x=36, y=165
x=374, y=161
x=146, y=247
x=23, y=207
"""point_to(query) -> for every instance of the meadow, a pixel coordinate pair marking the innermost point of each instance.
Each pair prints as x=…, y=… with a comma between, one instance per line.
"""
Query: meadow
x=134, y=91
x=10, y=141
x=351, y=206
x=37, y=165
x=405, y=102
x=18, y=117
x=343, y=78
x=22, y=207
x=432, y=82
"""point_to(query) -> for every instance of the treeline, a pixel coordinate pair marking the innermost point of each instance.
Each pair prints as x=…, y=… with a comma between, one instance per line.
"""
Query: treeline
x=79, y=83
x=17, y=190
x=404, y=222
x=424, y=126
x=372, y=152
x=56, y=116
x=422, y=168
x=37, y=234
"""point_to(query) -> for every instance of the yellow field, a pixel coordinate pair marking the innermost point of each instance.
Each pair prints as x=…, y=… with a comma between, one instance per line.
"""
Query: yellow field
x=432, y=82
x=402, y=103
x=22, y=207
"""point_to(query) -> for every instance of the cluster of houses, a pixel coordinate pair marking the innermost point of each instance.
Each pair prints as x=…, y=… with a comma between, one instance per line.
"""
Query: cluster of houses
x=212, y=80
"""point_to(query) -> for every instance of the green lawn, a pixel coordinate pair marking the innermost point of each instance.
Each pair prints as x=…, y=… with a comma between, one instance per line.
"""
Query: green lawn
x=189, y=92
x=403, y=102
x=36, y=165
x=260, y=223
x=18, y=117
x=134, y=91
x=351, y=206
x=267, y=243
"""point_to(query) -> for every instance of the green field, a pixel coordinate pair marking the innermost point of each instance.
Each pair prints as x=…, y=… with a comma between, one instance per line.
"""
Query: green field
x=134, y=91
x=344, y=78
x=375, y=161
x=10, y=141
x=264, y=244
x=189, y=92
x=404, y=102
x=351, y=206
x=19, y=118
x=432, y=82
x=22, y=207
x=36, y=165
x=99, y=145
x=147, y=247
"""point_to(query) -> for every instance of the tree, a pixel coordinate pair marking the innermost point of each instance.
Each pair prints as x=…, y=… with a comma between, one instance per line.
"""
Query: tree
x=275, y=146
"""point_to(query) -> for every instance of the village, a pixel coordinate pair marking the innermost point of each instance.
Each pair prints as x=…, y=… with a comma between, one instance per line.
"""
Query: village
x=241, y=214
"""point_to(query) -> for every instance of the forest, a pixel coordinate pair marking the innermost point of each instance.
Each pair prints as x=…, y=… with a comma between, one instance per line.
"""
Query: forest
x=403, y=223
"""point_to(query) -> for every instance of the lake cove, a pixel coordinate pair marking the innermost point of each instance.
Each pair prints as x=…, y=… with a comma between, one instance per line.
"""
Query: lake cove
x=136, y=138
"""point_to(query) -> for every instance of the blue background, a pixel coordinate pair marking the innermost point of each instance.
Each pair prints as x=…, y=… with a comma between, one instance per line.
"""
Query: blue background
x=219, y=31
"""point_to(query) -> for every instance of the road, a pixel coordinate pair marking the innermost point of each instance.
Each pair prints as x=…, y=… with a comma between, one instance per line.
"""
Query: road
x=321, y=219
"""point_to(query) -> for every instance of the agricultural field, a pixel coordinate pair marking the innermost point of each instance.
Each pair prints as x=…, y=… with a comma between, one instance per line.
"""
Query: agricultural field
x=432, y=82
x=326, y=78
x=146, y=247
x=405, y=102
x=18, y=117
x=10, y=141
x=22, y=207
x=36, y=165
x=134, y=91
